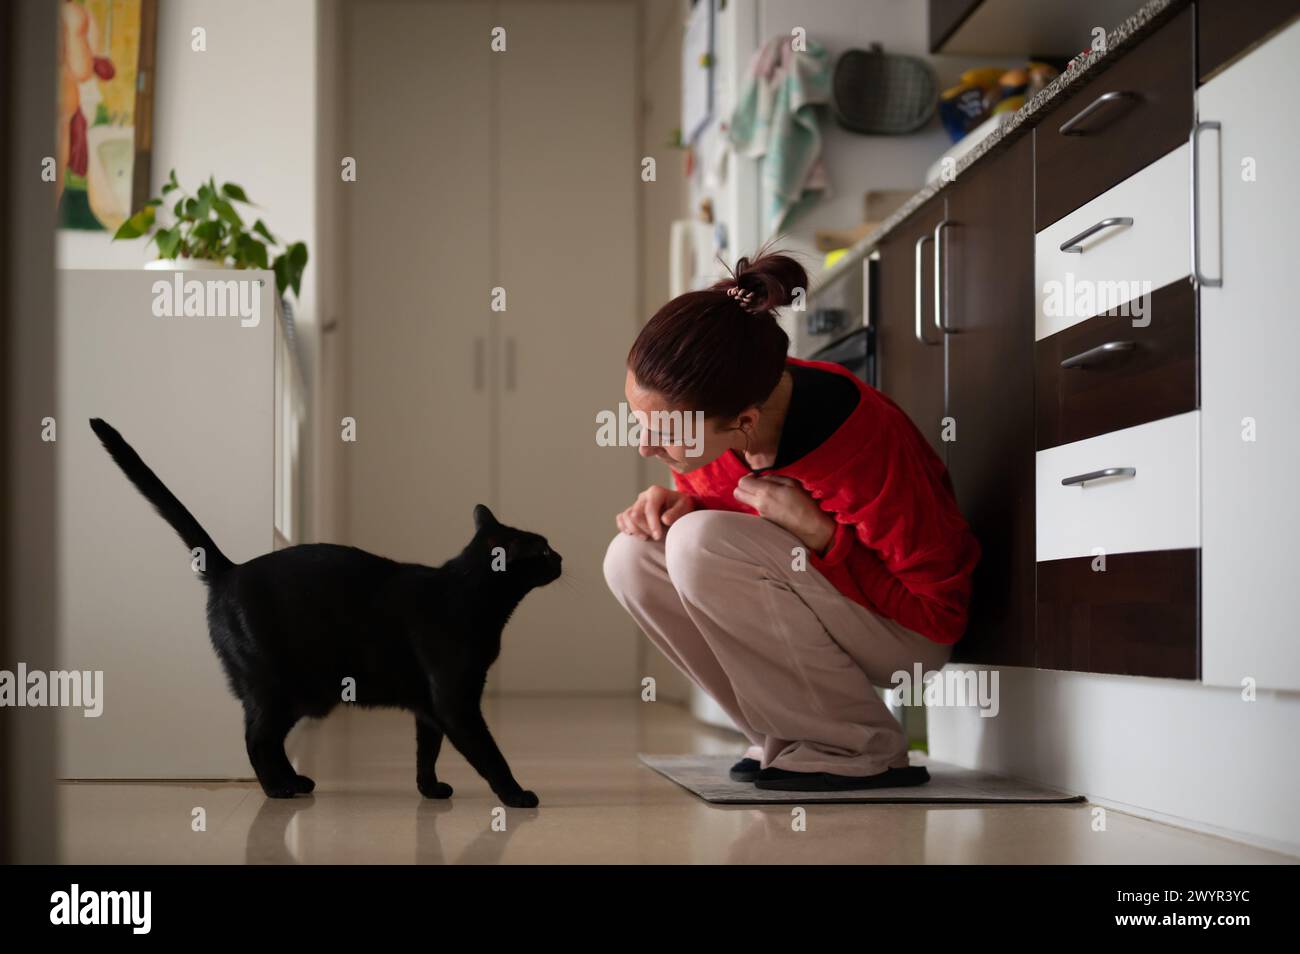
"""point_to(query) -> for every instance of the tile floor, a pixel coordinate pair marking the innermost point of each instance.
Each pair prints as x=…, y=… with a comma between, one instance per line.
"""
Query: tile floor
x=599, y=804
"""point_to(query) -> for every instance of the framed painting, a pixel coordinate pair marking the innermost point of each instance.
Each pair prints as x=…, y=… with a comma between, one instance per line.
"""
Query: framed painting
x=105, y=110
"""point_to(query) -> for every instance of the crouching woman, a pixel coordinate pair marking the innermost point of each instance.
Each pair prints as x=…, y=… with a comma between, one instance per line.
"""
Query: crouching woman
x=811, y=548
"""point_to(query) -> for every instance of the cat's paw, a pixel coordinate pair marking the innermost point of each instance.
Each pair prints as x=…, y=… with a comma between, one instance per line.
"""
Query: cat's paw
x=434, y=789
x=520, y=799
x=303, y=785
x=287, y=790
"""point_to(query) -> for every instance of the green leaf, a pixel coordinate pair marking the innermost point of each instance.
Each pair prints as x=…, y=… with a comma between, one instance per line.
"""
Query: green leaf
x=169, y=241
x=232, y=191
x=167, y=187
x=281, y=274
x=154, y=202
x=260, y=228
x=227, y=211
x=137, y=225
x=209, y=231
x=289, y=267
x=250, y=252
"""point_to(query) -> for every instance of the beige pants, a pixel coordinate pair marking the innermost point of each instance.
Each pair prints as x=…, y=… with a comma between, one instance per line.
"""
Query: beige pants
x=784, y=653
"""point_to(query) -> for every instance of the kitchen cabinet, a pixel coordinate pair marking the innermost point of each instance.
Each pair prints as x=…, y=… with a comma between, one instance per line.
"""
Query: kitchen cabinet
x=1122, y=120
x=1101, y=309
x=1227, y=28
x=955, y=323
x=1042, y=28
x=1137, y=618
x=986, y=251
x=1248, y=203
x=1111, y=371
x=910, y=369
x=201, y=400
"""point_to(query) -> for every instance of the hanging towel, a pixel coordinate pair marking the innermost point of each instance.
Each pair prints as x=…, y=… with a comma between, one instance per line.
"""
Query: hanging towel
x=776, y=120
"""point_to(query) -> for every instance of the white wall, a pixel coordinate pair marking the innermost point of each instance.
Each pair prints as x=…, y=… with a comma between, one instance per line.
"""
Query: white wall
x=661, y=203
x=1162, y=748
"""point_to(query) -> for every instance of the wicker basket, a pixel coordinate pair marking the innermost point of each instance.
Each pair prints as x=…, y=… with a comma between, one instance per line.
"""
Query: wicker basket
x=878, y=93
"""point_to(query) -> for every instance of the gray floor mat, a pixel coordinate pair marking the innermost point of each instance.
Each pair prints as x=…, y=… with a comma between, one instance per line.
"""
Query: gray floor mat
x=706, y=776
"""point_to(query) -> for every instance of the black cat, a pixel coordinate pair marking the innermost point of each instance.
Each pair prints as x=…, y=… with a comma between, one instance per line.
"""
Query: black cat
x=291, y=626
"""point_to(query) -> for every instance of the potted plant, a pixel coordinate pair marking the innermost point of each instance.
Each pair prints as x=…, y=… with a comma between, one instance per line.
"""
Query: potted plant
x=210, y=233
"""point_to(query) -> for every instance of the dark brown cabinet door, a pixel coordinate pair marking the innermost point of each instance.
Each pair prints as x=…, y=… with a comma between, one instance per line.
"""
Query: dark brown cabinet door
x=945, y=16
x=910, y=368
x=1227, y=28
x=987, y=287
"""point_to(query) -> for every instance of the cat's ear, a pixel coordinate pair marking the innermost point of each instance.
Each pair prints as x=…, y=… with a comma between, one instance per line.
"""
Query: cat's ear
x=483, y=518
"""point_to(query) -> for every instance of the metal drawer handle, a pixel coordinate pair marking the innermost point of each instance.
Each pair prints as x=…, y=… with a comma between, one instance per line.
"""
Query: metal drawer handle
x=1070, y=126
x=1098, y=474
x=1194, y=141
x=1072, y=244
x=940, y=310
x=1101, y=351
x=920, y=297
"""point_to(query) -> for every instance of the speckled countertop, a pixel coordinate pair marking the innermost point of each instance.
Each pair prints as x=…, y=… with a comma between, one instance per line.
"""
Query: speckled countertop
x=1147, y=18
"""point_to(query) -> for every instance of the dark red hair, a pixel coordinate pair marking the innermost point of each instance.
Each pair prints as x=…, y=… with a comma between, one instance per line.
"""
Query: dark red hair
x=721, y=350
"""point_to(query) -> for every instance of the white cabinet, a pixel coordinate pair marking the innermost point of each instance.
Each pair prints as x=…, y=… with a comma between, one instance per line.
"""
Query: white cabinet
x=496, y=171
x=195, y=397
x=1140, y=493
x=1248, y=215
x=1136, y=241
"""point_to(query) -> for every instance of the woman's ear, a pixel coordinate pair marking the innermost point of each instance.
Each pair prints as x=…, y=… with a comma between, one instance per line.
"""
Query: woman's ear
x=747, y=420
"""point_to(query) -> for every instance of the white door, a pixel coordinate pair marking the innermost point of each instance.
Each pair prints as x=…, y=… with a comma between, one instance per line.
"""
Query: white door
x=567, y=113
x=476, y=170
x=418, y=245
x=1249, y=212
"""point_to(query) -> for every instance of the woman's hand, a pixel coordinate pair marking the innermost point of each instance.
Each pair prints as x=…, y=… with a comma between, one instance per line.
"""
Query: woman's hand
x=655, y=509
x=785, y=502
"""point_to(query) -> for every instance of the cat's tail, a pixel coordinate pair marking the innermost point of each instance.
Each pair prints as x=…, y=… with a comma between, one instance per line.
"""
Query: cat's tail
x=163, y=500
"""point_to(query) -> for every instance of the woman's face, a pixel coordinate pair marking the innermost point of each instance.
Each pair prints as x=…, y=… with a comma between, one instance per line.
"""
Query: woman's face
x=680, y=438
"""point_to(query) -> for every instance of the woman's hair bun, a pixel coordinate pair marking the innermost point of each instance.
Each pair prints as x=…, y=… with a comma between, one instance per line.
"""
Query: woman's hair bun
x=764, y=283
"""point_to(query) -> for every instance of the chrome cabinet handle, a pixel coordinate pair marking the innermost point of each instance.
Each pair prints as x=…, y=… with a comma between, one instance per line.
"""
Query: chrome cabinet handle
x=480, y=362
x=510, y=364
x=1098, y=474
x=1101, y=351
x=1072, y=244
x=920, y=292
x=939, y=309
x=1070, y=126
x=1193, y=140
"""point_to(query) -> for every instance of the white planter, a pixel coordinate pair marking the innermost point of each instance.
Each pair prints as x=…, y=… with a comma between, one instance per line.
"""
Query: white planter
x=186, y=265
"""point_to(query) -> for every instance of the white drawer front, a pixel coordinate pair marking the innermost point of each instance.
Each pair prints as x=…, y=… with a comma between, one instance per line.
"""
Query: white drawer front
x=1157, y=509
x=1119, y=262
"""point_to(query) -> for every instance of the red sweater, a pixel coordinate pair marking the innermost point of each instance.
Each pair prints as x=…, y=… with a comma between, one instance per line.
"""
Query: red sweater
x=901, y=548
